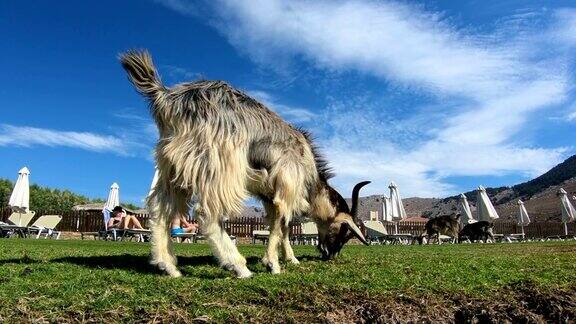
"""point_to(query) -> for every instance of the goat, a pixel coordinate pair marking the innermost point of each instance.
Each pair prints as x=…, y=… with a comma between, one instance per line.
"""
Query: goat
x=221, y=145
x=441, y=225
x=478, y=231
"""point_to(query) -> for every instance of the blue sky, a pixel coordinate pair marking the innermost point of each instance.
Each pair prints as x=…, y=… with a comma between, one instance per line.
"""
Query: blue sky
x=438, y=96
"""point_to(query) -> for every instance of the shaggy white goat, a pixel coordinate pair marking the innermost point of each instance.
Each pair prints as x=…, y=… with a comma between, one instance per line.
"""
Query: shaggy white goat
x=221, y=145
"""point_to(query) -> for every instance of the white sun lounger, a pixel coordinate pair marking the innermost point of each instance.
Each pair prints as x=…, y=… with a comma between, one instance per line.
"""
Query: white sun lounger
x=262, y=235
x=46, y=225
x=309, y=234
x=376, y=232
x=17, y=223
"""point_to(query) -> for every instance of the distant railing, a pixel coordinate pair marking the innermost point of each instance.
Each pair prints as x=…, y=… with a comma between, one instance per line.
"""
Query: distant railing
x=90, y=221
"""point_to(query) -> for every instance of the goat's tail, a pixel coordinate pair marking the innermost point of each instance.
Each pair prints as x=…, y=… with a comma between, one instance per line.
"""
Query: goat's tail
x=142, y=73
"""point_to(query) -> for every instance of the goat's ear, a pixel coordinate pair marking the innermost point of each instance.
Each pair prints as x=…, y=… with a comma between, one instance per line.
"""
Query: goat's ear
x=355, y=230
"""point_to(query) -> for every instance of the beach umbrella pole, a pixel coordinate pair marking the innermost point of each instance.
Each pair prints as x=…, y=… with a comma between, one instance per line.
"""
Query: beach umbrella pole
x=523, y=235
x=565, y=228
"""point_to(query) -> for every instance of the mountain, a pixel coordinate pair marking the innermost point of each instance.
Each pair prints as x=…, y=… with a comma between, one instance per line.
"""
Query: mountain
x=539, y=196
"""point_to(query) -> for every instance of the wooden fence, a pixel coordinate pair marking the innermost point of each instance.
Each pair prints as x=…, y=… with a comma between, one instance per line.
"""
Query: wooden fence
x=89, y=221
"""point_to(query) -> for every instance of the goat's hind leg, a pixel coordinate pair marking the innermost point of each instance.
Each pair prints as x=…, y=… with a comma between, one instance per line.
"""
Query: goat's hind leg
x=287, y=251
x=224, y=249
x=270, y=258
x=163, y=209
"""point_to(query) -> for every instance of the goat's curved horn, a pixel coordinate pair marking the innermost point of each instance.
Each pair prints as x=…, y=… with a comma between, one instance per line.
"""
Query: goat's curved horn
x=357, y=232
x=355, y=191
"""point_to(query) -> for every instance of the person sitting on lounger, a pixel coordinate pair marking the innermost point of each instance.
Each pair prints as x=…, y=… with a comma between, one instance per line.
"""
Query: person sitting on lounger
x=121, y=220
x=181, y=226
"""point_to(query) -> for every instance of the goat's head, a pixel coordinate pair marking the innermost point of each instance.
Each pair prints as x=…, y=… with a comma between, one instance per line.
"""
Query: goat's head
x=338, y=223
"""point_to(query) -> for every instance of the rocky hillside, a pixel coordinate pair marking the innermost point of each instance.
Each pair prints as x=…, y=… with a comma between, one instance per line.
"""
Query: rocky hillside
x=538, y=194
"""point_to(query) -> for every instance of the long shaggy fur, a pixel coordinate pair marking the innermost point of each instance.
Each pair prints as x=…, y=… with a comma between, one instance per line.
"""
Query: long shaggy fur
x=209, y=129
x=221, y=145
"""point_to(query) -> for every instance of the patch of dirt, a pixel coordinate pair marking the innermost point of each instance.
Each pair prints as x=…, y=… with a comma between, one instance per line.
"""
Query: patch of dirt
x=520, y=303
x=517, y=303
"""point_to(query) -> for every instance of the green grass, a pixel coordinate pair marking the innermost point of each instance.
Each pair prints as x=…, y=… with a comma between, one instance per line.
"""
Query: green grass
x=109, y=281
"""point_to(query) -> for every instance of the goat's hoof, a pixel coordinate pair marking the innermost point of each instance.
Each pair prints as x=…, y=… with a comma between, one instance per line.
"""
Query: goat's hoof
x=265, y=261
x=293, y=260
x=174, y=273
x=161, y=265
x=274, y=268
x=243, y=273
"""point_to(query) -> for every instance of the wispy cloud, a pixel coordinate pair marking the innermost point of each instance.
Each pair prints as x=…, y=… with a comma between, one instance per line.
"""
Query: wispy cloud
x=130, y=134
x=181, y=6
x=293, y=114
x=24, y=136
x=489, y=83
x=570, y=115
x=136, y=130
x=180, y=73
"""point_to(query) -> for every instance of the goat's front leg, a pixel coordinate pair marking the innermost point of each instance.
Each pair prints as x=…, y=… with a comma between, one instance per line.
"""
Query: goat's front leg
x=224, y=249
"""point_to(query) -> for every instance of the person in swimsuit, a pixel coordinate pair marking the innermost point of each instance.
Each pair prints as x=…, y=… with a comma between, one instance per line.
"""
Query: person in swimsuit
x=180, y=226
x=121, y=220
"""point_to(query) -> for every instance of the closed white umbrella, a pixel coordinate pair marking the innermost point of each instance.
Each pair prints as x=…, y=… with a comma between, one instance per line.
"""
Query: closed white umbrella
x=20, y=198
x=113, y=197
x=523, y=219
x=568, y=212
x=386, y=209
x=486, y=211
x=396, y=207
x=154, y=181
x=466, y=214
x=112, y=201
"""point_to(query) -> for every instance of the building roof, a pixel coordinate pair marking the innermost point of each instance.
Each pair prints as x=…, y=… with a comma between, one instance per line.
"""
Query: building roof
x=100, y=206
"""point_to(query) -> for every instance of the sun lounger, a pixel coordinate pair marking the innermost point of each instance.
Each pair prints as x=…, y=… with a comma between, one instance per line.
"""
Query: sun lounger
x=446, y=238
x=141, y=235
x=46, y=225
x=17, y=224
x=309, y=234
x=401, y=238
x=560, y=237
x=184, y=237
x=116, y=234
x=509, y=238
x=261, y=235
x=376, y=232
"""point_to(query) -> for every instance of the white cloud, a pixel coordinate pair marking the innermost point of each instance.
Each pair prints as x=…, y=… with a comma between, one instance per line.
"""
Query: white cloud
x=24, y=136
x=132, y=134
x=565, y=29
x=181, y=6
x=179, y=73
x=490, y=83
x=137, y=131
x=293, y=114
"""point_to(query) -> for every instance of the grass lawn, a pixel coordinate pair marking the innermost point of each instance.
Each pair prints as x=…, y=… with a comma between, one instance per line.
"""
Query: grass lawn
x=46, y=280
